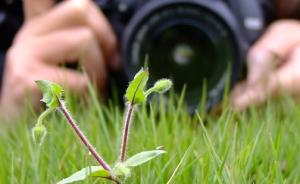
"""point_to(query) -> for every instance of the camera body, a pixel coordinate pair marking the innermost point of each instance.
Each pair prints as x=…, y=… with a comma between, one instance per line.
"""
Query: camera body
x=200, y=44
x=248, y=17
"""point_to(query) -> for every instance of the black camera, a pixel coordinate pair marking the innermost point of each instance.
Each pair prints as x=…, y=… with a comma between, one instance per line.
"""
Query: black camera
x=195, y=42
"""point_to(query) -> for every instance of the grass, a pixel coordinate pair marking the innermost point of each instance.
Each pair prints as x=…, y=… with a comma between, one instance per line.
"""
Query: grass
x=258, y=146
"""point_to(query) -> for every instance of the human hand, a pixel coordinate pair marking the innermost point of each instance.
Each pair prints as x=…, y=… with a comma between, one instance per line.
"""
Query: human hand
x=273, y=66
x=51, y=36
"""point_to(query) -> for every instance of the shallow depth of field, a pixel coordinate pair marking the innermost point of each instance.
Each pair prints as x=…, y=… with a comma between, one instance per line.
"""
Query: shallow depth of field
x=261, y=145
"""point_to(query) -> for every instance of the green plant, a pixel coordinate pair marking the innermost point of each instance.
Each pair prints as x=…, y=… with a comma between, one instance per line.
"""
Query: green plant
x=53, y=97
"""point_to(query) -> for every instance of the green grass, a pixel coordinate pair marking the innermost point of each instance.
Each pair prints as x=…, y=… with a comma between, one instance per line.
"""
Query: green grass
x=258, y=146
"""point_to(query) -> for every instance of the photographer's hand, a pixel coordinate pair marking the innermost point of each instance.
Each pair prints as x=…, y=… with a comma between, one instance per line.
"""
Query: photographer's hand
x=273, y=64
x=51, y=36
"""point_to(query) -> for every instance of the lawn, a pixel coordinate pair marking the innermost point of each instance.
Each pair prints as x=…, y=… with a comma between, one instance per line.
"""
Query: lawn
x=261, y=145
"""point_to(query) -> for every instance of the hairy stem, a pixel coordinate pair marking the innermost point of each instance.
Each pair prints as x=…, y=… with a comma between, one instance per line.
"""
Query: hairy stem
x=149, y=91
x=127, y=122
x=82, y=137
x=43, y=115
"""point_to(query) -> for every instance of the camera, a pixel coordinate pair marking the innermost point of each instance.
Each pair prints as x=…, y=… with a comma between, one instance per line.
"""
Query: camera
x=200, y=44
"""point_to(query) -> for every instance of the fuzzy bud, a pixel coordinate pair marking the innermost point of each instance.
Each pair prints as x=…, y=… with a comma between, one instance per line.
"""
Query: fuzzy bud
x=39, y=133
x=163, y=85
x=121, y=171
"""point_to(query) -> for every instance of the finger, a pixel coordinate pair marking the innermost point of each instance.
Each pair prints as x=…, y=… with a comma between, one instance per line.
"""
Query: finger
x=260, y=64
x=92, y=60
x=272, y=48
x=282, y=81
x=289, y=76
x=252, y=95
x=280, y=38
x=79, y=44
x=238, y=89
x=110, y=42
x=59, y=46
x=33, y=8
x=79, y=13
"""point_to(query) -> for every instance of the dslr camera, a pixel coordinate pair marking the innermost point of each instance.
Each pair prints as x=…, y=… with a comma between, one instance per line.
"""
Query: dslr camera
x=200, y=44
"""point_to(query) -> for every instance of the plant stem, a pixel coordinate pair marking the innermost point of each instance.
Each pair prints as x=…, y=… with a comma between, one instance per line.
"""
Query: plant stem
x=149, y=91
x=126, y=128
x=82, y=137
x=43, y=115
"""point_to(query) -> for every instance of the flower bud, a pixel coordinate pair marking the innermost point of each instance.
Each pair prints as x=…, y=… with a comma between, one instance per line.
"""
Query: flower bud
x=39, y=133
x=121, y=171
x=163, y=85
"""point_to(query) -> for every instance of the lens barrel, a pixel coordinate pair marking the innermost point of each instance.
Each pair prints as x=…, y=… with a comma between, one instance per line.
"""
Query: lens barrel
x=196, y=43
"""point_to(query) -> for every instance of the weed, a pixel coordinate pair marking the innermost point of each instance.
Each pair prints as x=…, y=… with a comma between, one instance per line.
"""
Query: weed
x=53, y=97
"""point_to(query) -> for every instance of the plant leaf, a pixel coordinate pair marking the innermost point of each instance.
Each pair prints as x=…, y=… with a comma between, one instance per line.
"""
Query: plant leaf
x=100, y=172
x=135, y=91
x=143, y=157
x=96, y=171
x=52, y=92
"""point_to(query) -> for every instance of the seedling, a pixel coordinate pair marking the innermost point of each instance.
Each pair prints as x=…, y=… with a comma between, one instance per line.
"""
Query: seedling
x=53, y=97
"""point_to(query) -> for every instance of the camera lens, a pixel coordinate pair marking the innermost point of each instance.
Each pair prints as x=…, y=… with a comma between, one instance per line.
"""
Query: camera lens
x=190, y=44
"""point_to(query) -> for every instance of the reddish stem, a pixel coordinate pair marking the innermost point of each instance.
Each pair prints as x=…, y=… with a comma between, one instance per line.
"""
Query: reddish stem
x=82, y=137
x=126, y=131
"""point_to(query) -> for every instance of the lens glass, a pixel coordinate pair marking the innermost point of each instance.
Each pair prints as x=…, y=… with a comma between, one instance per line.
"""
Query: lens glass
x=181, y=51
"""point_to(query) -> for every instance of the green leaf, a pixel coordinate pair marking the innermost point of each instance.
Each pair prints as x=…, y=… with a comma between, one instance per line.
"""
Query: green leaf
x=96, y=171
x=135, y=91
x=100, y=172
x=52, y=92
x=143, y=157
